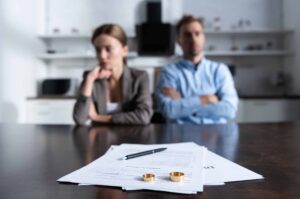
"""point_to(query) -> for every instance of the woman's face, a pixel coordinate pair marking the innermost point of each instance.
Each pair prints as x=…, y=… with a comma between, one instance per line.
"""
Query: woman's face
x=110, y=51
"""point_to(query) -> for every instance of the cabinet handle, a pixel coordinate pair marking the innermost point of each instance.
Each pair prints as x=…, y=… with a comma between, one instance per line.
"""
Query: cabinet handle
x=261, y=103
x=43, y=113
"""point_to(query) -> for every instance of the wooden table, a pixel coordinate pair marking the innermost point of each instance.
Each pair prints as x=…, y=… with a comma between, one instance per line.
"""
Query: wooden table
x=33, y=157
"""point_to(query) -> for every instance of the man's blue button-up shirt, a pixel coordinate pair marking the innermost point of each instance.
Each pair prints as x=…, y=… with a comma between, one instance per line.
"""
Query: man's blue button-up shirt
x=193, y=81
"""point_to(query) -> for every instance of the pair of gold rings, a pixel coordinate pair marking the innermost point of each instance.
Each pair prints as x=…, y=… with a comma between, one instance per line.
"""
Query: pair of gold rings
x=174, y=176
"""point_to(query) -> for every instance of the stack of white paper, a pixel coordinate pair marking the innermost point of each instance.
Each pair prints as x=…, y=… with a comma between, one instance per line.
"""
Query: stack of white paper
x=200, y=167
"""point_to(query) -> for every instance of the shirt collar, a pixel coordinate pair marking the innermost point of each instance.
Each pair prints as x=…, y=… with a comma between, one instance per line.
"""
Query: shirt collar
x=188, y=64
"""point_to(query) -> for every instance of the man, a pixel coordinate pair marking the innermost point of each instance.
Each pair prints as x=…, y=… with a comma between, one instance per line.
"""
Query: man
x=195, y=89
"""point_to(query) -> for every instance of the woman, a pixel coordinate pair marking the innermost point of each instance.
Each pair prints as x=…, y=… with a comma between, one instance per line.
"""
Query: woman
x=111, y=92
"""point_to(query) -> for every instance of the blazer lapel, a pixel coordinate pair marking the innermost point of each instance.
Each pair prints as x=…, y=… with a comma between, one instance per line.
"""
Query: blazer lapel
x=126, y=81
x=101, y=93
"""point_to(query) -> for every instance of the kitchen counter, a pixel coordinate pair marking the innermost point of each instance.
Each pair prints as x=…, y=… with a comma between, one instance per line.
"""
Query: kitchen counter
x=246, y=97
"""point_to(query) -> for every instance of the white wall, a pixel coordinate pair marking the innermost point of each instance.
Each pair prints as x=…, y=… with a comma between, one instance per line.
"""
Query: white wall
x=18, y=48
x=1, y=60
x=262, y=13
x=291, y=21
x=95, y=12
x=86, y=15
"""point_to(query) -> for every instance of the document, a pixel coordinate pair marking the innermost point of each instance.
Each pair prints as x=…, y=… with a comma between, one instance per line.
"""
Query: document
x=199, y=165
x=220, y=170
x=112, y=170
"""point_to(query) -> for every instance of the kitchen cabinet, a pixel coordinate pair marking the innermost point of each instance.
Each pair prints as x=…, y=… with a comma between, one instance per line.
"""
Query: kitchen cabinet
x=268, y=110
x=59, y=111
x=50, y=111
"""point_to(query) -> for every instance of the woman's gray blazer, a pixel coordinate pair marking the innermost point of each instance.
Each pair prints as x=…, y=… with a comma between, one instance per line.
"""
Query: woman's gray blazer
x=136, y=100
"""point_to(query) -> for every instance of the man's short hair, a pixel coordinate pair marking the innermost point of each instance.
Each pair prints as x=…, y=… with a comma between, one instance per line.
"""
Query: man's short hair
x=186, y=19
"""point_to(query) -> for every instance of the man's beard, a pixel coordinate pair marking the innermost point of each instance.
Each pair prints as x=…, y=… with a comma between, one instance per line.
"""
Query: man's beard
x=194, y=53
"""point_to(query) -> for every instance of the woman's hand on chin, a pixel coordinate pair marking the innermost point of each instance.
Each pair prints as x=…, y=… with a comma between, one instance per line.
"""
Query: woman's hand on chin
x=99, y=73
x=104, y=74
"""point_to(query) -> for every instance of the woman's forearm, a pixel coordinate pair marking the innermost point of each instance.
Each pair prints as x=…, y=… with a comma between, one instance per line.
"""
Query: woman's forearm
x=102, y=118
x=87, y=87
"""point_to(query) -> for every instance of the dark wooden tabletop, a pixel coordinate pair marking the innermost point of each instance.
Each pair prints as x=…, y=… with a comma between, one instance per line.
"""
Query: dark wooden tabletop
x=33, y=157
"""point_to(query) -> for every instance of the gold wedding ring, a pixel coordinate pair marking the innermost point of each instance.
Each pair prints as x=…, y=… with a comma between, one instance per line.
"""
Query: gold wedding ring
x=176, y=176
x=149, y=177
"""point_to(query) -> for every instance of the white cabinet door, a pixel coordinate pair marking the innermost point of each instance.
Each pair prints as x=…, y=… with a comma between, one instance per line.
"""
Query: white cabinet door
x=264, y=110
x=50, y=111
x=293, y=110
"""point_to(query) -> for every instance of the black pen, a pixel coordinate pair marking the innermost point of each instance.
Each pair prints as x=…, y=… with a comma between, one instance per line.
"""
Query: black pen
x=135, y=155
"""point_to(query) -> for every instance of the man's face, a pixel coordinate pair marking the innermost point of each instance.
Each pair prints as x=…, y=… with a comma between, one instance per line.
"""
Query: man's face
x=191, y=39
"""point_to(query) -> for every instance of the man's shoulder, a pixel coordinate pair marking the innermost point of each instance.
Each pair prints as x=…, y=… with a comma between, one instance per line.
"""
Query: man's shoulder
x=217, y=69
x=214, y=64
x=171, y=70
x=172, y=67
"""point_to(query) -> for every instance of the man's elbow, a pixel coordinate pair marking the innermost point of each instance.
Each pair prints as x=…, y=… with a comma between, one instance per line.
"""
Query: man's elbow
x=230, y=109
x=169, y=113
x=231, y=113
x=168, y=109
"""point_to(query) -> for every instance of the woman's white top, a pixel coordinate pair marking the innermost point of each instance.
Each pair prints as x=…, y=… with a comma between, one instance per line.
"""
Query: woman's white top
x=113, y=107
